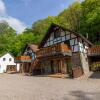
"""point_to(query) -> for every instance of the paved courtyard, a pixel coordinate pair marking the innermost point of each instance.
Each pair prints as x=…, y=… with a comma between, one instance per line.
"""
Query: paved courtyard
x=18, y=87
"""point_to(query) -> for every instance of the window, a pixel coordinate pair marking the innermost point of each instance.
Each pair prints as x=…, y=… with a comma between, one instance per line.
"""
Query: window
x=68, y=37
x=67, y=42
x=4, y=59
x=10, y=59
x=72, y=41
x=57, y=34
x=76, y=48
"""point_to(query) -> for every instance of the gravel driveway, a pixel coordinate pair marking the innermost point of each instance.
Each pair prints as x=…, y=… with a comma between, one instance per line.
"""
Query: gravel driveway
x=18, y=87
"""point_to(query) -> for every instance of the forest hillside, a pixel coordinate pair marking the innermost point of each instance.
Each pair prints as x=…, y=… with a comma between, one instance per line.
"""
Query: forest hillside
x=83, y=18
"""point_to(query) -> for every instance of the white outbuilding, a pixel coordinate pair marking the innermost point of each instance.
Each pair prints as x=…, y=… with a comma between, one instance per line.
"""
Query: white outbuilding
x=7, y=63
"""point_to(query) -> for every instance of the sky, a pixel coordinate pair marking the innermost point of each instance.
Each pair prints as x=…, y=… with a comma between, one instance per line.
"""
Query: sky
x=22, y=13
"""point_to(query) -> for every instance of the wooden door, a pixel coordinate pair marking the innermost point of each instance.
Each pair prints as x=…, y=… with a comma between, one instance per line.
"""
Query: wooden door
x=66, y=66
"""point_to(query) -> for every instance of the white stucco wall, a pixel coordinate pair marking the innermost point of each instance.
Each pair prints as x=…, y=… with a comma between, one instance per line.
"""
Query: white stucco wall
x=3, y=64
x=18, y=67
x=85, y=64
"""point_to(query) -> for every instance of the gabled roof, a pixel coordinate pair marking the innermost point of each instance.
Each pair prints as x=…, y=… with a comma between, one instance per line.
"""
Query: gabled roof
x=51, y=29
x=6, y=54
x=32, y=46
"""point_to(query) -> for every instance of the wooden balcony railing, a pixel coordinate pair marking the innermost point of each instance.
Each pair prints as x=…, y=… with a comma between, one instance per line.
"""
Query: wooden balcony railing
x=23, y=59
x=94, y=51
x=54, y=49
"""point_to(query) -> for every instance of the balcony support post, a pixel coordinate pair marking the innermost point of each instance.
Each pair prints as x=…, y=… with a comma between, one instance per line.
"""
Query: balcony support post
x=61, y=65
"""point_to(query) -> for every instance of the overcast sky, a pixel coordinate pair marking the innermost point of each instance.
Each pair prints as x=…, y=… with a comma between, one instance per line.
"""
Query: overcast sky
x=22, y=13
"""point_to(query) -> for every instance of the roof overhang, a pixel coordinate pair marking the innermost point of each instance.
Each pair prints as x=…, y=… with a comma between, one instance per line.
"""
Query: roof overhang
x=51, y=29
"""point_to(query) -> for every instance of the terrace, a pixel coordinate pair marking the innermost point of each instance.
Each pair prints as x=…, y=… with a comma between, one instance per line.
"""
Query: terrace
x=22, y=59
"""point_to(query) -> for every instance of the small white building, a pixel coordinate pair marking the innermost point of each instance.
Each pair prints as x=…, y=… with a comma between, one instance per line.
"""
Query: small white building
x=5, y=61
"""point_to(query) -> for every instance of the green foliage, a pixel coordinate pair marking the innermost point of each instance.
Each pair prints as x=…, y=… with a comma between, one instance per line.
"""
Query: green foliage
x=81, y=17
x=7, y=36
x=70, y=17
x=41, y=26
x=27, y=37
x=91, y=18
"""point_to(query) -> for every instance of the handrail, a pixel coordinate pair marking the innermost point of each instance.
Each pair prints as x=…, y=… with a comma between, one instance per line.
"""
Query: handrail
x=23, y=58
x=94, y=50
x=57, y=48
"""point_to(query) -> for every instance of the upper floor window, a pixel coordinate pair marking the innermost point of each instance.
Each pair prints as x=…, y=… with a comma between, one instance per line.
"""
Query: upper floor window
x=10, y=59
x=57, y=34
x=4, y=59
x=72, y=41
x=67, y=43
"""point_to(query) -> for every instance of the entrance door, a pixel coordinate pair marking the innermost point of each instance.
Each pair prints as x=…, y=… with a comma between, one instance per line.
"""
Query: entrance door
x=67, y=66
x=55, y=66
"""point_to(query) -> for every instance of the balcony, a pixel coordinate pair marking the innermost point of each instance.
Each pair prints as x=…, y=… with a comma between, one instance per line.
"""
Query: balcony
x=56, y=49
x=22, y=59
x=94, y=51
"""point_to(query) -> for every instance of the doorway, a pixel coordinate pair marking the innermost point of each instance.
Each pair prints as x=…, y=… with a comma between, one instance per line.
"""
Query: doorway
x=52, y=66
x=67, y=66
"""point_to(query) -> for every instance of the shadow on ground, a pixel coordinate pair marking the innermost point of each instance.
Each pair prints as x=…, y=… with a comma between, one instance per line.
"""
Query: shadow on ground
x=95, y=75
x=81, y=95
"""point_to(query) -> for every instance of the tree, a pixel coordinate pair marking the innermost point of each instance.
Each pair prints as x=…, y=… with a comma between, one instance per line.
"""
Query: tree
x=41, y=26
x=70, y=17
x=7, y=36
x=90, y=19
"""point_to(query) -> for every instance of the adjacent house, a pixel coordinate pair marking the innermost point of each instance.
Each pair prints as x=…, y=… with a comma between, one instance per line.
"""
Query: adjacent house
x=94, y=58
x=7, y=63
x=28, y=56
x=63, y=51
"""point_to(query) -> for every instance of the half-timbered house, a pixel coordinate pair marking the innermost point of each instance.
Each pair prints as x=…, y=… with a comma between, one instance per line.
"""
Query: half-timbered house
x=27, y=57
x=63, y=51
